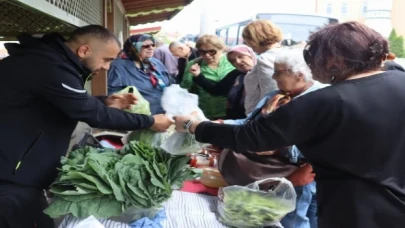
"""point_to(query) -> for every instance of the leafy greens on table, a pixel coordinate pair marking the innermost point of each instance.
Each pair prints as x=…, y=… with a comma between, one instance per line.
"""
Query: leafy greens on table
x=108, y=182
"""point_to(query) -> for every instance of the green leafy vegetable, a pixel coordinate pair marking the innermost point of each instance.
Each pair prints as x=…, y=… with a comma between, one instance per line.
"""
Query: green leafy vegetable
x=172, y=143
x=103, y=207
x=107, y=183
x=240, y=206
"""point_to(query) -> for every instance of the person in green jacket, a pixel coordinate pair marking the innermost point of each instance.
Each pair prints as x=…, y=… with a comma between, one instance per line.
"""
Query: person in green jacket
x=214, y=65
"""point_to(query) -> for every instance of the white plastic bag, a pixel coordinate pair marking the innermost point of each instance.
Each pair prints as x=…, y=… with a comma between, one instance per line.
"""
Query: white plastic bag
x=179, y=102
x=90, y=221
x=254, y=205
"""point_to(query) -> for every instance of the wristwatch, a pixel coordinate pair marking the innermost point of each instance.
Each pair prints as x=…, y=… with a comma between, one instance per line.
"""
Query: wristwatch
x=187, y=126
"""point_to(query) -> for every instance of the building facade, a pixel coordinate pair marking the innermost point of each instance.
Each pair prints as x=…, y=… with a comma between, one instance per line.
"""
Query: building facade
x=381, y=15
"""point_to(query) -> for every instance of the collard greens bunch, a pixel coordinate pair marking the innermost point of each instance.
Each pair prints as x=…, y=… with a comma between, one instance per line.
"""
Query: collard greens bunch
x=170, y=141
x=106, y=183
x=241, y=206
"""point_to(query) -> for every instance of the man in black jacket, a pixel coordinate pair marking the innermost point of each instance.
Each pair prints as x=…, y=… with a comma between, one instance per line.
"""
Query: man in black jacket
x=185, y=55
x=42, y=98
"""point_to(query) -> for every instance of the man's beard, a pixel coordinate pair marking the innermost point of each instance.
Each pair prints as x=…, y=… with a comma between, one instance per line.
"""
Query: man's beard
x=87, y=67
x=87, y=63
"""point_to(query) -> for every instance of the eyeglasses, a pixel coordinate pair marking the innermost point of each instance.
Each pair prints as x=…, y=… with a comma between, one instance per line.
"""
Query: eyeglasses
x=209, y=52
x=147, y=46
x=279, y=72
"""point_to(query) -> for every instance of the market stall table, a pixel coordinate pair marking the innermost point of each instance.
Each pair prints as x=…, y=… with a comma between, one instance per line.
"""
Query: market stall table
x=183, y=210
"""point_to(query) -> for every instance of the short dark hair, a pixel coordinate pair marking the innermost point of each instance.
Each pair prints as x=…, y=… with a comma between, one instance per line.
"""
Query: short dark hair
x=338, y=51
x=96, y=31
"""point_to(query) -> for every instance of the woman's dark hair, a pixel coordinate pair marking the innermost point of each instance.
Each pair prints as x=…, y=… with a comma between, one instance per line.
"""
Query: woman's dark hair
x=341, y=50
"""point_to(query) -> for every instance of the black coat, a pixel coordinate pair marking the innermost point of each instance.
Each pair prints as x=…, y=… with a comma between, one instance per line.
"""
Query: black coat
x=353, y=135
x=42, y=98
x=231, y=86
x=182, y=64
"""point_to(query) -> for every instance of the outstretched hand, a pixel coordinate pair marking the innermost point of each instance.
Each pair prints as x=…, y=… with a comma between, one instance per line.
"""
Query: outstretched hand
x=162, y=123
x=302, y=176
x=180, y=121
x=121, y=101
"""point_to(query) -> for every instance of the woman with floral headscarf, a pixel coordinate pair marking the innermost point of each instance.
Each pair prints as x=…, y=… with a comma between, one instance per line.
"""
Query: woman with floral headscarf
x=138, y=68
x=243, y=59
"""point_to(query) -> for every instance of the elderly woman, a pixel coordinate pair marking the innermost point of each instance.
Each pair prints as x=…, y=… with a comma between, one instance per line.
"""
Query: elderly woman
x=351, y=132
x=214, y=66
x=138, y=68
x=243, y=59
x=294, y=79
x=264, y=38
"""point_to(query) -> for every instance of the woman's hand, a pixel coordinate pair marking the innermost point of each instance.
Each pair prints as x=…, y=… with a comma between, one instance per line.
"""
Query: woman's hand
x=180, y=121
x=195, y=70
x=121, y=101
x=302, y=176
x=162, y=123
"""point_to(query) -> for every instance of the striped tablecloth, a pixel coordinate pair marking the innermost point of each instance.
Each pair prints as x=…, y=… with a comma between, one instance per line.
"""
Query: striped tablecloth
x=183, y=210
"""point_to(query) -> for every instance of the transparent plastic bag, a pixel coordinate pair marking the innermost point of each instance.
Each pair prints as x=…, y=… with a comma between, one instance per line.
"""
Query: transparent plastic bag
x=133, y=214
x=260, y=204
x=155, y=139
x=142, y=105
x=180, y=143
x=179, y=102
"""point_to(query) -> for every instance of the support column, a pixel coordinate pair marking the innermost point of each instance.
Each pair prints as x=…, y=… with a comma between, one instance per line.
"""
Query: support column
x=126, y=32
x=207, y=17
x=99, y=83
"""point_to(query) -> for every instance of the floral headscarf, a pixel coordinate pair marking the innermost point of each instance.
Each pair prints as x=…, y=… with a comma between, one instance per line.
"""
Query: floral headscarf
x=244, y=50
x=133, y=45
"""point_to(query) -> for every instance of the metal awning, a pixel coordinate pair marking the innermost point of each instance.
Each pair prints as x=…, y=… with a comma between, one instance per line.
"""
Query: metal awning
x=43, y=16
x=147, y=11
x=150, y=30
x=63, y=16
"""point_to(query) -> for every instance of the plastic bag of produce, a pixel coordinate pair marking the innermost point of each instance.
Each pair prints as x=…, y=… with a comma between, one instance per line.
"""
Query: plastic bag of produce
x=260, y=204
x=179, y=102
x=142, y=105
x=153, y=138
x=180, y=143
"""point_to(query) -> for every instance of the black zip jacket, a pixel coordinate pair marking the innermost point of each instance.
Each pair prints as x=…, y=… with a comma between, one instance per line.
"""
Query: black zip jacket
x=42, y=98
x=182, y=64
x=353, y=135
x=231, y=86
